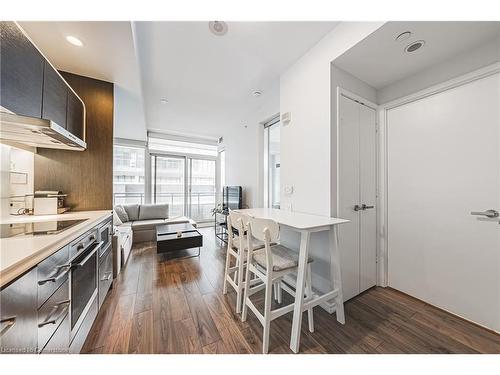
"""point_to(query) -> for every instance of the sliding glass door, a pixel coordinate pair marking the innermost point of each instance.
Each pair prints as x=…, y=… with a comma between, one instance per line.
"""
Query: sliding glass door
x=202, y=189
x=168, y=178
x=187, y=184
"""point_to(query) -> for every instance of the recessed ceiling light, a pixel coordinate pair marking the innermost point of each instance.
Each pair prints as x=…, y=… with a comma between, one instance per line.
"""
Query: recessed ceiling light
x=163, y=101
x=257, y=93
x=218, y=28
x=74, y=40
x=412, y=47
x=403, y=36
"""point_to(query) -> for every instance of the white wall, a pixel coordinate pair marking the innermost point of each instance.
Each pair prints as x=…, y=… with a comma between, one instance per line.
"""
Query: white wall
x=305, y=91
x=13, y=159
x=345, y=80
x=485, y=54
x=244, y=151
x=351, y=83
x=4, y=180
x=306, y=144
x=128, y=119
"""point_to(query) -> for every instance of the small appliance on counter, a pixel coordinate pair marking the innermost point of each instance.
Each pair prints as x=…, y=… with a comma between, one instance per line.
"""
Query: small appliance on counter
x=49, y=203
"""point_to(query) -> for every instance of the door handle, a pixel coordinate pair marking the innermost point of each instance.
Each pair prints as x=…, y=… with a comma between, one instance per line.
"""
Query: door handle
x=357, y=207
x=365, y=207
x=487, y=213
x=59, y=272
x=49, y=319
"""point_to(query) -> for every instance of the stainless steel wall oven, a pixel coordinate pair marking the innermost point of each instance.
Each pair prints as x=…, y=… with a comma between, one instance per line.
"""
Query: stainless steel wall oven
x=83, y=277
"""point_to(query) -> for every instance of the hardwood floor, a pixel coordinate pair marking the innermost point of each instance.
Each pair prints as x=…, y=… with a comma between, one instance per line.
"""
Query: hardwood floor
x=159, y=305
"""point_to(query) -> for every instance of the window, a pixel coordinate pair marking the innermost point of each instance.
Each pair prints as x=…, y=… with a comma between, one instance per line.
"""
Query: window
x=128, y=174
x=222, y=160
x=183, y=174
x=272, y=162
x=157, y=144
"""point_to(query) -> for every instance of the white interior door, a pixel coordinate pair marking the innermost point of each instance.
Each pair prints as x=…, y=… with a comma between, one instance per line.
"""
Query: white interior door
x=443, y=163
x=368, y=198
x=357, y=186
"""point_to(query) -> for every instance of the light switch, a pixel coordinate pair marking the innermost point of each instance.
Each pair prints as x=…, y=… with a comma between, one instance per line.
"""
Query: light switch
x=288, y=189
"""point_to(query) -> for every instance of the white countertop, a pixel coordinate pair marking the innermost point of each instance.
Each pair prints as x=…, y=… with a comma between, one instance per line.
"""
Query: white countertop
x=292, y=219
x=19, y=254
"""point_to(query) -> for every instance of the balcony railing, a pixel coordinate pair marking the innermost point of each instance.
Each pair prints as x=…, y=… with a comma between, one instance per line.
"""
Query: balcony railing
x=201, y=203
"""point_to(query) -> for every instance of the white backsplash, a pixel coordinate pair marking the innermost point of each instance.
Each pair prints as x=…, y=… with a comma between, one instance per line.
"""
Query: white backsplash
x=17, y=178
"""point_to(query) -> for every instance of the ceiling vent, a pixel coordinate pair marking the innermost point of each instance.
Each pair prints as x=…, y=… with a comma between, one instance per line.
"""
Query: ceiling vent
x=218, y=28
x=414, y=46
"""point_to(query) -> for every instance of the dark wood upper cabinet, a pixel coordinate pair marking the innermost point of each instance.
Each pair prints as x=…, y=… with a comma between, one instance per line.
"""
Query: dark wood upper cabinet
x=30, y=86
x=21, y=78
x=55, y=92
x=75, y=115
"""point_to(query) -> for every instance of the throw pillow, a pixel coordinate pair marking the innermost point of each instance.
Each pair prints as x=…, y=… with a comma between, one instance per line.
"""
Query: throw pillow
x=153, y=211
x=132, y=211
x=116, y=219
x=121, y=213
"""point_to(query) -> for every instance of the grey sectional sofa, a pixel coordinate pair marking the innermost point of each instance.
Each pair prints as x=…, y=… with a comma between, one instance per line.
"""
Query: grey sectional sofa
x=143, y=219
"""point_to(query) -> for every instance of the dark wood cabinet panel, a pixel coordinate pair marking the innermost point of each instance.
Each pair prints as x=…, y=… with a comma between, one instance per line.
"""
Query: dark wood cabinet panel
x=18, y=315
x=22, y=67
x=87, y=176
x=55, y=92
x=74, y=115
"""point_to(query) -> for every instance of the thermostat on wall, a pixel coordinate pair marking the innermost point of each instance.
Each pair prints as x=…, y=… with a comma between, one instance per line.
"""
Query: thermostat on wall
x=286, y=118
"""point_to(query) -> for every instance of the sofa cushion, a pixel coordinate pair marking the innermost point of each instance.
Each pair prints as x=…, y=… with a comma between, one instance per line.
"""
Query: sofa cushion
x=146, y=224
x=132, y=211
x=153, y=211
x=283, y=258
x=121, y=213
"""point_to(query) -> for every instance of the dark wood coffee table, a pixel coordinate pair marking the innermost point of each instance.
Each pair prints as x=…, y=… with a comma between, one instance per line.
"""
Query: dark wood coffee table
x=168, y=240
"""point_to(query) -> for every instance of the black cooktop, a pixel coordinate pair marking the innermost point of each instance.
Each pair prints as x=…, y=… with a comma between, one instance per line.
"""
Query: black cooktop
x=36, y=228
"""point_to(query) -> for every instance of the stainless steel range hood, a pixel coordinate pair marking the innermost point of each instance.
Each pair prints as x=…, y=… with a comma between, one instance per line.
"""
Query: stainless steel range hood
x=36, y=132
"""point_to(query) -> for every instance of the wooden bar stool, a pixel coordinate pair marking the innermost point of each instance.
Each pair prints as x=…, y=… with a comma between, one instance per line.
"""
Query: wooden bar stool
x=270, y=264
x=237, y=247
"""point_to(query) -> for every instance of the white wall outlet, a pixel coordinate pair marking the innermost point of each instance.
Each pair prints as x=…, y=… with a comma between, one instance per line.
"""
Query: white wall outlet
x=286, y=118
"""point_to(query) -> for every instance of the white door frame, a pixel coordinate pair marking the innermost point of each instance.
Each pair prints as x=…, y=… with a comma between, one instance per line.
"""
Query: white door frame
x=350, y=95
x=382, y=247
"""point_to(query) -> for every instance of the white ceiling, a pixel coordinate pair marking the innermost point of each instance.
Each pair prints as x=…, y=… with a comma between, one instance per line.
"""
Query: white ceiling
x=379, y=60
x=108, y=54
x=208, y=80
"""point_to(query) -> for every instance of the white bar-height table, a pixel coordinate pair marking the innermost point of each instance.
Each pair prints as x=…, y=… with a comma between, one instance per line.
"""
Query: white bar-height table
x=306, y=224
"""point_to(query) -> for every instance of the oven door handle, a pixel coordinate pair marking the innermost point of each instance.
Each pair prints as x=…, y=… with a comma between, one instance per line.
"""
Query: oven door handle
x=82, y=263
